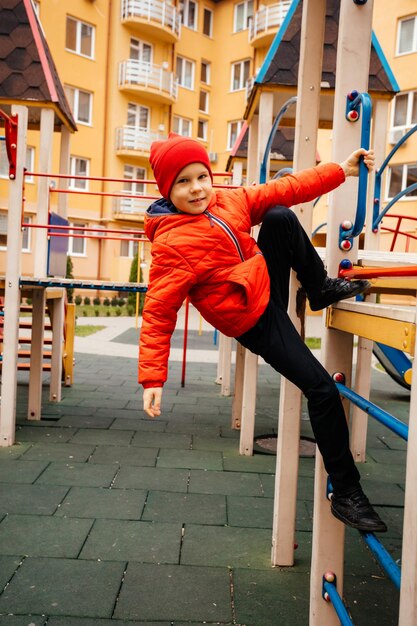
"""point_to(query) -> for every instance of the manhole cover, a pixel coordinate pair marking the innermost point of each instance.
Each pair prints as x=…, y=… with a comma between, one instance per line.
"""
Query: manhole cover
x=267, y=444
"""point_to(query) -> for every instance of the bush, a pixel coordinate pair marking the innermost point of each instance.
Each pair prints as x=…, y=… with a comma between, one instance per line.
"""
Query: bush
x=130, y=311
x=108, y=313
x=85, y=313
x=97, y=301
x=96, y=312
x=118, y=311
x=87, y=300
x=78, y=300
x=114, y=301
x=106, y=302
x=133, y=278
x=28, y=301
x=122, y=301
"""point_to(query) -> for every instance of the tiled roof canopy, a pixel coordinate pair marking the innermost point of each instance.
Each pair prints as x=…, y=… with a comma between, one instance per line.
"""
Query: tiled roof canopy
x=27, y=70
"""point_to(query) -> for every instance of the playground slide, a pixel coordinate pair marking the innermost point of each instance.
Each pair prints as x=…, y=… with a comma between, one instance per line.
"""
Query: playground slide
x=395, y=362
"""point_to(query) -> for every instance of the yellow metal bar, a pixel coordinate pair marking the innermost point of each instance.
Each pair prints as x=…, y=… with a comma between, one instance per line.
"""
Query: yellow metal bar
x=394, y=333
x=68, y=357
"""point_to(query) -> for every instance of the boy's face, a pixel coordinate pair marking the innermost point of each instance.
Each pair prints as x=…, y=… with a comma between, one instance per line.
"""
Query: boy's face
x=192, y=189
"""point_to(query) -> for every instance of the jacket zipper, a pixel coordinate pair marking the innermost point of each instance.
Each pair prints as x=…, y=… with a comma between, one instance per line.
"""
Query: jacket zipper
x=227, y=230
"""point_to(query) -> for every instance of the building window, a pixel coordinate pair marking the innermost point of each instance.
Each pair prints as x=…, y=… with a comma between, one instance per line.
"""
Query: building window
x=182, y=126
x=407, y=35
x=26, y=234
x=400, y=177
x=129, y=249
x=138, y=116
x=208, y=23
x=203, y=101
x=79, y=167
x=140, y=51
x=243, y=13
x=202, y=129
x=3, y=229
x=404, y=110
x=80, y=37
x=81, y=103
x=4, y=161
x=77, y=246
x=30, y=163
x=205, y=72
x=133, y=175
x=185, y=73
x=233, y=131
x=240, y=74
x=189, y=14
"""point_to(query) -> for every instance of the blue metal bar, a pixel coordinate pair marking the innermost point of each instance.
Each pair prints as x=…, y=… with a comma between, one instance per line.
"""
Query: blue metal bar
x=78, y=284
x=283, y=110
x=383, y=557
x=336, y=600
x=282, y=172
x=391, y=422
x=399, y=361
x=402, y=193
x=319, y=227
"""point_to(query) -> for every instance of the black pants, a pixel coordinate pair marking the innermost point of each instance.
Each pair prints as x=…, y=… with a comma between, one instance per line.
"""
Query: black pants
x=286, y=246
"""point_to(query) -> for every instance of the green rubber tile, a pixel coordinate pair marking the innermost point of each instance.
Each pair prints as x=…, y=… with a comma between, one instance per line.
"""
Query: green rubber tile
x=8, y=566
x=214, y=443
x=250, y=512
x=394, y=518
x=134, y=423
x=12, y=471
x=183, y=594
x=271, y=598
x=185, y=508
x=44, y=434
x=202, y=430
x=162, y=440
x=109, y=437
x=371, y=601
x=155, y=478
x=227, y=483
x=103, y=503
x=374, y=471
x=392, y=442
x=125, y=455
x=383, y=493
x=98, y=401
x=67, y=587
x=14, y=452
x=43, y=536
x=78, y=474
x=393, y=457
x=115, y=540
x=70, y=621
x=191, y=459
x=22, y=620
x=85, y=421
x=216, y=546
x=260, y=463
x=58, y=452
x=30, y=499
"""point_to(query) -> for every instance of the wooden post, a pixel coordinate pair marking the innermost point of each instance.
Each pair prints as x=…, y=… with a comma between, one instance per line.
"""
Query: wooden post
x=305, y=145
x=57, y=314
x=36, y=354
x=68, y=356
x=8, y=387
x=352, y=71
x=64, y=161
x=45, y=162
x=237, y=396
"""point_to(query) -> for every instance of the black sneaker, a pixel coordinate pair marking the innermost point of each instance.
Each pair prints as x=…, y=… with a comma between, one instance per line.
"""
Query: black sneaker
x=355, y=510
x=335, y=289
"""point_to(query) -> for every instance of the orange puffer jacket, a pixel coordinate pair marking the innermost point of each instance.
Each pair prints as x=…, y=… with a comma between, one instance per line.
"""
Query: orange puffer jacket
x=213, y=259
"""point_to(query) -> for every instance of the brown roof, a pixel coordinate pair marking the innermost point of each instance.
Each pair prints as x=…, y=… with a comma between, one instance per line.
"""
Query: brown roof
x=27, y=70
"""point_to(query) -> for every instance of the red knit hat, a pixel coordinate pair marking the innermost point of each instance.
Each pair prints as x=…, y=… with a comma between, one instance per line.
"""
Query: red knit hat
x=170, y=156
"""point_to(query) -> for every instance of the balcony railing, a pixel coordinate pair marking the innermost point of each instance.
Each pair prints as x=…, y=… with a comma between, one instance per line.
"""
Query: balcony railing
x=268, y=17
x=131, y=206
x=148, y=76
x=135, y=138
x=162, y=13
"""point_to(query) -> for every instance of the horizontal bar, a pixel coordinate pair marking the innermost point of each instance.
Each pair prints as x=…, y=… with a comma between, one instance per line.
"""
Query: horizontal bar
x=338, y=604
x=66, y=227
x=108, y=180
x=79, y=236
x=391, y=422
x=375, y=272
x=80, y=284
x=383, y=557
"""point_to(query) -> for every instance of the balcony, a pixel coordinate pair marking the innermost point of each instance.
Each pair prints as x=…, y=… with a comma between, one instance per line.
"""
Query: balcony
x=152, y=81
x=130, y=208
x=152, y=17
x=265, y=23
x=135, y=141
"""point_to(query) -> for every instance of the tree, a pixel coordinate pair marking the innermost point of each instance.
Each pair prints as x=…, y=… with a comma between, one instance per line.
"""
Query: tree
x=69, y=274
x=133, y=278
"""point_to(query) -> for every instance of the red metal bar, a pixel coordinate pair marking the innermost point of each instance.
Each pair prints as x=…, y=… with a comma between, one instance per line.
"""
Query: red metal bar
x=184, y=349
x=75, y=236
x=86, y=228
x=375, y=272
x=10, y=130
x=103, y=193
x=105, y=179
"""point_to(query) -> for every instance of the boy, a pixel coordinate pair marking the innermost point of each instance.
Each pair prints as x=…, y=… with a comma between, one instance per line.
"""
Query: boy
x=202, y=248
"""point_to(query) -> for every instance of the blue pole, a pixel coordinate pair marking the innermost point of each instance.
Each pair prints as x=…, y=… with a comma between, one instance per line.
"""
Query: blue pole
x=383, y=557
x=337, y=602
x=283, y=110
x=391, y=422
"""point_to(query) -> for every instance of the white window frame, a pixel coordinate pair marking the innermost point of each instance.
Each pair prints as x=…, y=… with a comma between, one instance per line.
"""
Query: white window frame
x=233, y=134
x=204, y=125
x=208, y=11
x=247, y=6
x=129, y=249
x=186, y=14
x=182, y=126
x=404, y=185
x=143, y=50
x=26, y=235
x=73, y=97
x=74, y=183
x=30, y=163
x=3, y=228
x=242, y=80
x=411, y=95
x=414, y=44
x=4, y=162
x=77, y=240
x=182, y=72
x=206, y=101
x=207, y=65
x=136, y=111
x=78, y=37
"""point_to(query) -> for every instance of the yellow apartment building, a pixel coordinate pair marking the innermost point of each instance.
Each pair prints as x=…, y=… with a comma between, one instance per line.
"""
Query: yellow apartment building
x=134, y=70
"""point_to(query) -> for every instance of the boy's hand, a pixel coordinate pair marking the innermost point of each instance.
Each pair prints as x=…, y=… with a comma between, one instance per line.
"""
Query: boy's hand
x=152, y=401
x=351, y=165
